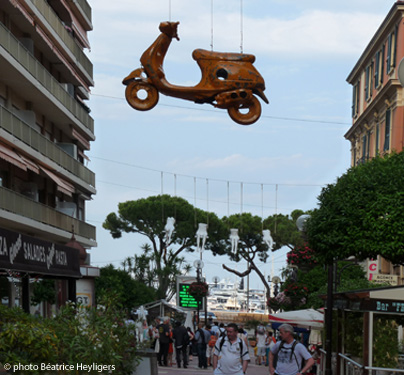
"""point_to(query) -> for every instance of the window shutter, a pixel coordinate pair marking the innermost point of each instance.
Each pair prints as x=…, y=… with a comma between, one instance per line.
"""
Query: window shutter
x=387, y=131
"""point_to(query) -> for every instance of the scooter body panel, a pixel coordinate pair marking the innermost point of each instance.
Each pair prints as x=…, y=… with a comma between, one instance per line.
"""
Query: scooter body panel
x=228, y=80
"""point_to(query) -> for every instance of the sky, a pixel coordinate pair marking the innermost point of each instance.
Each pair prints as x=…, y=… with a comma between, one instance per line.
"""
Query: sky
x=304, y=50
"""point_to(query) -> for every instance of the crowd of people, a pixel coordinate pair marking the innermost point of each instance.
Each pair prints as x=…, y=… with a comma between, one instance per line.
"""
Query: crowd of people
x=226, y=348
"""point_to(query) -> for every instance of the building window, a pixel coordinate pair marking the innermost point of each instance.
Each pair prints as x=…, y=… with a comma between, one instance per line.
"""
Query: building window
x=391, y=50
x=355, y=99
x=387, y=131
x=377, y=139
x=379, y=67
x=368, y=81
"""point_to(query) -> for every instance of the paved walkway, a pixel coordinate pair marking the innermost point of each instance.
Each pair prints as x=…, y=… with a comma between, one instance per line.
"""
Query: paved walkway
x=193, y=369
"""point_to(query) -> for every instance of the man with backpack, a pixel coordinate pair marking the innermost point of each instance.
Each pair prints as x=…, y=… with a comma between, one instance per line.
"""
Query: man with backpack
x=289, y=355
x=231, y=353
x=181, y=340
x=202, y=337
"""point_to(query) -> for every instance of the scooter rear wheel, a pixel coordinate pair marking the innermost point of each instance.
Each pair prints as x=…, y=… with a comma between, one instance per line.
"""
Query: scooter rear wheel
x=136, y=102
x=253, y=114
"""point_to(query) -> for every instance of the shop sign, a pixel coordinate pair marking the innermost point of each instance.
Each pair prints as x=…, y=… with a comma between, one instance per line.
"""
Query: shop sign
x=23, y=253
x=372, y=269
x=385, y=279
x=373, y=305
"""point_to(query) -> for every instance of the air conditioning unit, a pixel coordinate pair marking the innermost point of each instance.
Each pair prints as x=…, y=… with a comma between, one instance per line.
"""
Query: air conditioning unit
x=69, y=87
x=30, y=190
x=67, y=208
x=70, y=148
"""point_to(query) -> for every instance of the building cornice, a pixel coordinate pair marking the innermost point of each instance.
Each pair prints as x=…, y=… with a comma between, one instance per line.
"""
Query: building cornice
x=396, y=12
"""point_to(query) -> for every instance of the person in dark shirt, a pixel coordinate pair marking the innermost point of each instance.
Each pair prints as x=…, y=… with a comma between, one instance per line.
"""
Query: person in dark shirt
x=164, y=339
x=202, y=337
x=181, y=342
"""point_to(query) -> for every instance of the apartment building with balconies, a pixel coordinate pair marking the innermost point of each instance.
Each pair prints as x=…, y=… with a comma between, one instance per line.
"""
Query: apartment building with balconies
x=378, y=109
x=45, y=130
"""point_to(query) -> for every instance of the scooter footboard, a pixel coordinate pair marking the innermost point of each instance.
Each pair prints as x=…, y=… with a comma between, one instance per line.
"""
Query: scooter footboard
x=136, y=74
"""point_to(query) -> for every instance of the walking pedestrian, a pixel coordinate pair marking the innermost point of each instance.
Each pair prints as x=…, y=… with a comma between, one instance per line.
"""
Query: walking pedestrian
x=181, y=341
x=292, y=357
x=202, y=337
x=164, y=341
x=260, y=338
x=269, y=344
x=191, y=343
x=231, y=354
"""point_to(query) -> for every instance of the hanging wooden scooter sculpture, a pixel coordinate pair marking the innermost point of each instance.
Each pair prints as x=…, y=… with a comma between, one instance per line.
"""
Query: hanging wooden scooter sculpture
x=229, y=80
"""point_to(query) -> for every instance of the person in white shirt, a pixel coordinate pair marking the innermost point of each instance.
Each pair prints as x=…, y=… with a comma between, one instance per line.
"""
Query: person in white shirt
x=261, y=349
x=231, y=354
x=293, y=357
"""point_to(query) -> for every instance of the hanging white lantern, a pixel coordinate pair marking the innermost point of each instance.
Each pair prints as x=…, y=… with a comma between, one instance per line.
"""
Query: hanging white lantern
x=169, y=229
x=234, y=238
x=267, y=238
x=142, y=312
x=201, y=236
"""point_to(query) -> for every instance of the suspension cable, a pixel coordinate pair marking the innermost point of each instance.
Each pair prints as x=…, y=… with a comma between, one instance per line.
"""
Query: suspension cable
x=241, y=27
x=211, y=25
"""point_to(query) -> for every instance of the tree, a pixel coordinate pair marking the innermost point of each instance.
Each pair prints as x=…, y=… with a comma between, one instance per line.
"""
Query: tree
x=143, y=269
x=251, y=246
x=128, y=292
x=361, y=214
x=148, y=217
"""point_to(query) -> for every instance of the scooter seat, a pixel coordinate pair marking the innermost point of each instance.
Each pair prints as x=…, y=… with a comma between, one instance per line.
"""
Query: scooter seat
x=202, y=54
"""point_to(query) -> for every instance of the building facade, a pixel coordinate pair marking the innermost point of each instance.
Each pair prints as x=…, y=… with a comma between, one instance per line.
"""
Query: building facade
x=45, y=130
x=378, y=107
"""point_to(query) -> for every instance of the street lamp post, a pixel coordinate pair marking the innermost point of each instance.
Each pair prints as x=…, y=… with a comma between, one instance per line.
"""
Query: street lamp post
x=300, y=223
x=328, y=319
x=198, y=264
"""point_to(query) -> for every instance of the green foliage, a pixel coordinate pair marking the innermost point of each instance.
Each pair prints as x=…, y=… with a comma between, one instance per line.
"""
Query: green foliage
x=251, y=243
x=353, y=324
x=75, y=335
x=385, y=339
x=128, y=292
x=361, y=213
x=349, y=276
x=148, y=218
x=284, y=231
x=44, y=291
x=385, y=342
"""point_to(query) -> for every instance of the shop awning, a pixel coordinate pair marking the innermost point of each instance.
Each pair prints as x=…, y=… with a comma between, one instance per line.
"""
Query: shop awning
x=12, y=157
x=62, y=185
x=309, y=318
x=31, y=165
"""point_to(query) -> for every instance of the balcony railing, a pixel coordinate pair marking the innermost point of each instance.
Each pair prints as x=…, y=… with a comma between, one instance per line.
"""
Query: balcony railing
x=85, y=7
x=49, y=14
x=20, y=205
x=38, y=142
x=33, y=66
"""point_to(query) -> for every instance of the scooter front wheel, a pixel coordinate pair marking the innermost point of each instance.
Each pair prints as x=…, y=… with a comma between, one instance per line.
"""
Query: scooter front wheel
x=150, y=99
x=253, y=107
